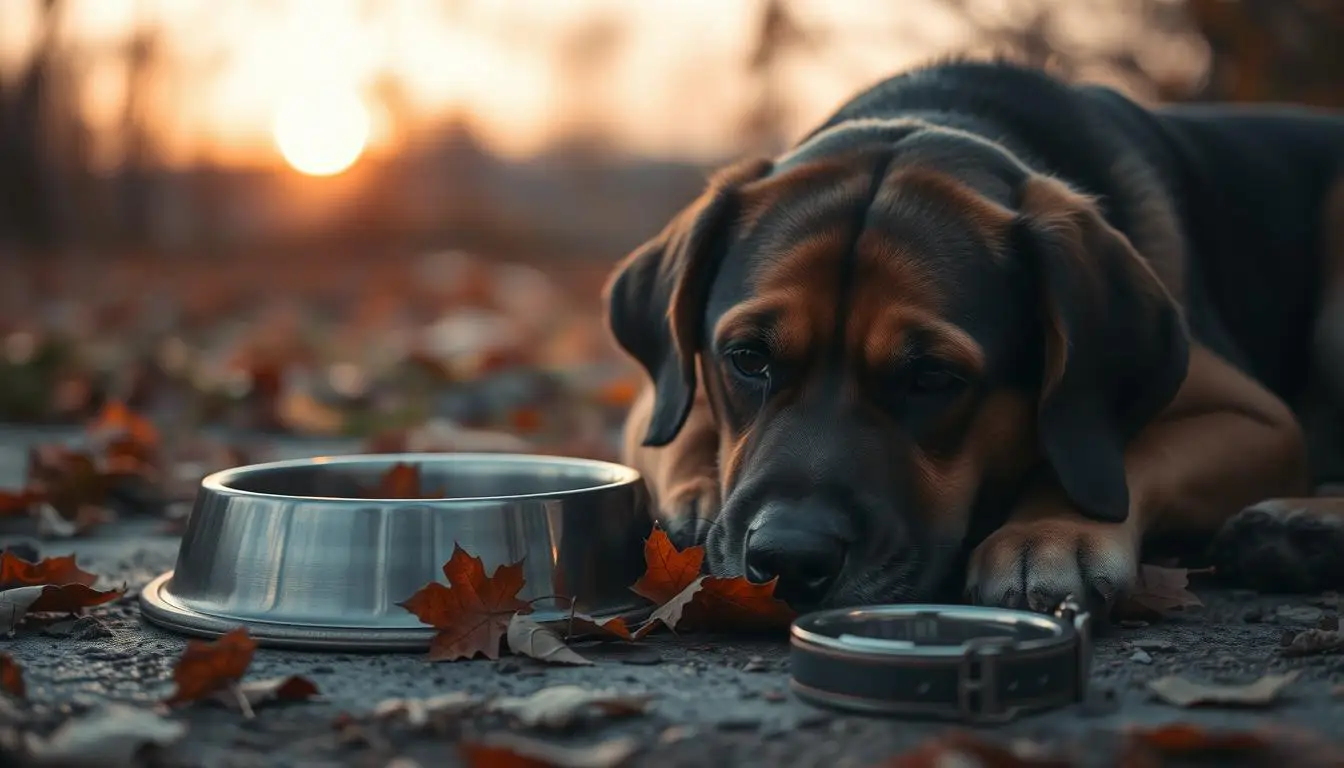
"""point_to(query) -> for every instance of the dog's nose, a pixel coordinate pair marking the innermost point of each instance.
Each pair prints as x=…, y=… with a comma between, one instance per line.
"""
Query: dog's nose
x=806, y=562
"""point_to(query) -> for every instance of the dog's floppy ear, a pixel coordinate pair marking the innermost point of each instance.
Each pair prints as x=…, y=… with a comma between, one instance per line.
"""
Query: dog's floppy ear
x=1116, y=345
x=656, y=298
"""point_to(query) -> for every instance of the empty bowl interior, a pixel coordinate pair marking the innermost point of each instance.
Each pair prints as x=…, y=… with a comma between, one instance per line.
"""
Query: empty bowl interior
x=463, y=477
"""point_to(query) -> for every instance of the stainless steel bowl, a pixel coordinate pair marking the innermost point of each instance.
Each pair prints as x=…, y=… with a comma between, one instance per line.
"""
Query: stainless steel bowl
x=288, y=550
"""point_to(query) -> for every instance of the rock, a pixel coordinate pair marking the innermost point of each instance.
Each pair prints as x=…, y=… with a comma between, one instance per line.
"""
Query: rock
x=755, y=664
x=1142, y=657
x=1152, y=645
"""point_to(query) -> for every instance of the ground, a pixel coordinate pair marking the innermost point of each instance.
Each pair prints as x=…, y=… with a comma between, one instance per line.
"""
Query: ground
x=718, y=701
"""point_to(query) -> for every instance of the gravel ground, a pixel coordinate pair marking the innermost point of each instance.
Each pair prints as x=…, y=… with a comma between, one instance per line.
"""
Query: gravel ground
x=717, y=701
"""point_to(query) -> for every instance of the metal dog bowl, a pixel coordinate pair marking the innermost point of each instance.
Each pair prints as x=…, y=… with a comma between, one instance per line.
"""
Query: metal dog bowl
x=288, y=550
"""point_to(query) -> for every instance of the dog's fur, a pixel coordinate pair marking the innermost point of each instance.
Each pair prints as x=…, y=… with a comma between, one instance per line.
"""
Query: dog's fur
x=984, y=322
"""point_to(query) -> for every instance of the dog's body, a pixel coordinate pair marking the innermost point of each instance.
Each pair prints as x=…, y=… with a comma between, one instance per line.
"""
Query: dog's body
x=982, y=312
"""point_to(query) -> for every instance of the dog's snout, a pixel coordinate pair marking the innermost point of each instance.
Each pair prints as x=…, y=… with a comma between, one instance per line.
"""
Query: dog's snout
x=805, y=552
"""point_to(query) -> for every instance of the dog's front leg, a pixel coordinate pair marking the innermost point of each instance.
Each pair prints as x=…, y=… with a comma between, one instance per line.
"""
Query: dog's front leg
x=1224, y=443
x=682, y=476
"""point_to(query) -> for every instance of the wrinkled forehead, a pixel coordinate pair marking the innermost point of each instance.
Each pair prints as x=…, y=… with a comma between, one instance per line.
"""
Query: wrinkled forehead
x=859, y=252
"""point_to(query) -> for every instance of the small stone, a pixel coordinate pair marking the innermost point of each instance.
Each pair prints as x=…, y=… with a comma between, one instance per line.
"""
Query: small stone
x=1286, y=638
x=1152, y=645
x=675, y=733
x=642, y=657
x=1142, y=657
x=755, y=664
x=1253, y=616
x=507, y=666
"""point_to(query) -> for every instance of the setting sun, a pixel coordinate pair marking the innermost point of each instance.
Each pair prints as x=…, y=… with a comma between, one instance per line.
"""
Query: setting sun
x=322, y=134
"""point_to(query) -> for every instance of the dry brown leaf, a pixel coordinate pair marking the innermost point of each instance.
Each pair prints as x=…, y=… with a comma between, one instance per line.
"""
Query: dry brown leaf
x=1158, y=592
x=17, y=572
x=1182, y=692
x=259, y=692
x=11, y=677
x=514, y=750
x=208, y=667
x=1193, y=744
x=560, y=706
x=472, y=613
x=583, y=625
x=52, y=524
x=17, y=603
x=959, y=747
x=669, y=614
x=528, y=638
x=20, y=502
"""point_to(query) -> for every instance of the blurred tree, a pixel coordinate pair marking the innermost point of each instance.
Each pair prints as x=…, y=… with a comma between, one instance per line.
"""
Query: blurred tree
x=1273, y=50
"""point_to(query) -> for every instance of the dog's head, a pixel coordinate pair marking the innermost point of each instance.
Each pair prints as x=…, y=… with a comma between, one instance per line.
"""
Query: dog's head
x=890, y=323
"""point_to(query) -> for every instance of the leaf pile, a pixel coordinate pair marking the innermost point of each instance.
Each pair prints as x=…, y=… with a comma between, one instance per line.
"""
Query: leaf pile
x=212, y=671
x=473, y=613
x=52, y=585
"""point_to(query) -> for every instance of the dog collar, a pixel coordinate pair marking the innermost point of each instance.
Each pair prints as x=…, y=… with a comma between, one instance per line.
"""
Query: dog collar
x=976, y=664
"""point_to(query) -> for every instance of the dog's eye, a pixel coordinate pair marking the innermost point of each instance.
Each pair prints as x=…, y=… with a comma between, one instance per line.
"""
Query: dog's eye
x=751, y=363
x=935, y=381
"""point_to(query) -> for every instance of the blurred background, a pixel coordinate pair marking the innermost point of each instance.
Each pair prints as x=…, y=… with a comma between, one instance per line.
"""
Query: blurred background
x=389, y=220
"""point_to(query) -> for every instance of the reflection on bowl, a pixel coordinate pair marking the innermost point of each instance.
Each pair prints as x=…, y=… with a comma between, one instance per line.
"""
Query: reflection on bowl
x=289, y=550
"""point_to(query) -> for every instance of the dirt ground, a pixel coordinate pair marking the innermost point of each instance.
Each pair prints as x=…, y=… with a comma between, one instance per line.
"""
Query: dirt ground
x=716, y=701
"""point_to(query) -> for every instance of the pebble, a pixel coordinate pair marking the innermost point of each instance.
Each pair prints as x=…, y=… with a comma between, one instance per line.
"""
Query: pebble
x=1152, y=645
x=1142, y=657
x=755, y=664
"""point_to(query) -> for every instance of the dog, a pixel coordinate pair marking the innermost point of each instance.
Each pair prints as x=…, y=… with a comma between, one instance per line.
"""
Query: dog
x=988, y=334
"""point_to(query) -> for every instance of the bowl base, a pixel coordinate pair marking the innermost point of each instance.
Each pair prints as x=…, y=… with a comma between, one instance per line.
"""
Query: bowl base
x=158, y=608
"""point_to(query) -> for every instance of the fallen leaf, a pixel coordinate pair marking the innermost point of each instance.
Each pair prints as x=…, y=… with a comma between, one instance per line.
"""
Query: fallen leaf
x=207, y=667
x=561, y=706
x=19, y=502
x=401, y=481
x=669, y=614
x=109, y=736
x=14, y=605
x=959, y=747
x=1314, y=641
x=513, y=750
x=1158, y=592
x=472, y=613
x=1182, y=692
x=737, y=603
x=417, y=713
x=528, y=638
x=11, y=676
x=667, y=571
x=583, y=625
x=525, y=420
x=1192, y=744
x=17, y=603
x=259, y=692
x=116, y=418
x=17, y=572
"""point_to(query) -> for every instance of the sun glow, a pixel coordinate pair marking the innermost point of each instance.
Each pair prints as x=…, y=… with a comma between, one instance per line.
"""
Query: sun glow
x=322, y=133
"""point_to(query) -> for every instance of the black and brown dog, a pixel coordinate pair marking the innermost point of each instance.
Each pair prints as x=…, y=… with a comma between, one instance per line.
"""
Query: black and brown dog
x=986, y=324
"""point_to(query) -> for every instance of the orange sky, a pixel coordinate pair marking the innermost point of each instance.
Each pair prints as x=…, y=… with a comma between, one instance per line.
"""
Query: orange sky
x=673, y=88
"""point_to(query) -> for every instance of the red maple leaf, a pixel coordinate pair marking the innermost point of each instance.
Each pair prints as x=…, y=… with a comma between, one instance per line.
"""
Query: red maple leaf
x=401, y=481
x=11, y=677
x=667, y=570
x=208, y=667
x=472, y=613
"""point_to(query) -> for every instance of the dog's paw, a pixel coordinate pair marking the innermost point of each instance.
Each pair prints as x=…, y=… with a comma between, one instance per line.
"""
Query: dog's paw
x=1035, y=564
x=1283, y=545
x=689, y=512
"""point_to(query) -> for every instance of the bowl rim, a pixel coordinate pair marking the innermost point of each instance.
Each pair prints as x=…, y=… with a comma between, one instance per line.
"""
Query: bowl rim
x=216, y=481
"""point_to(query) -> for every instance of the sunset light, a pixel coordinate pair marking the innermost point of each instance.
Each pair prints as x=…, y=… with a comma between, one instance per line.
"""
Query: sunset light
x=322, y=134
